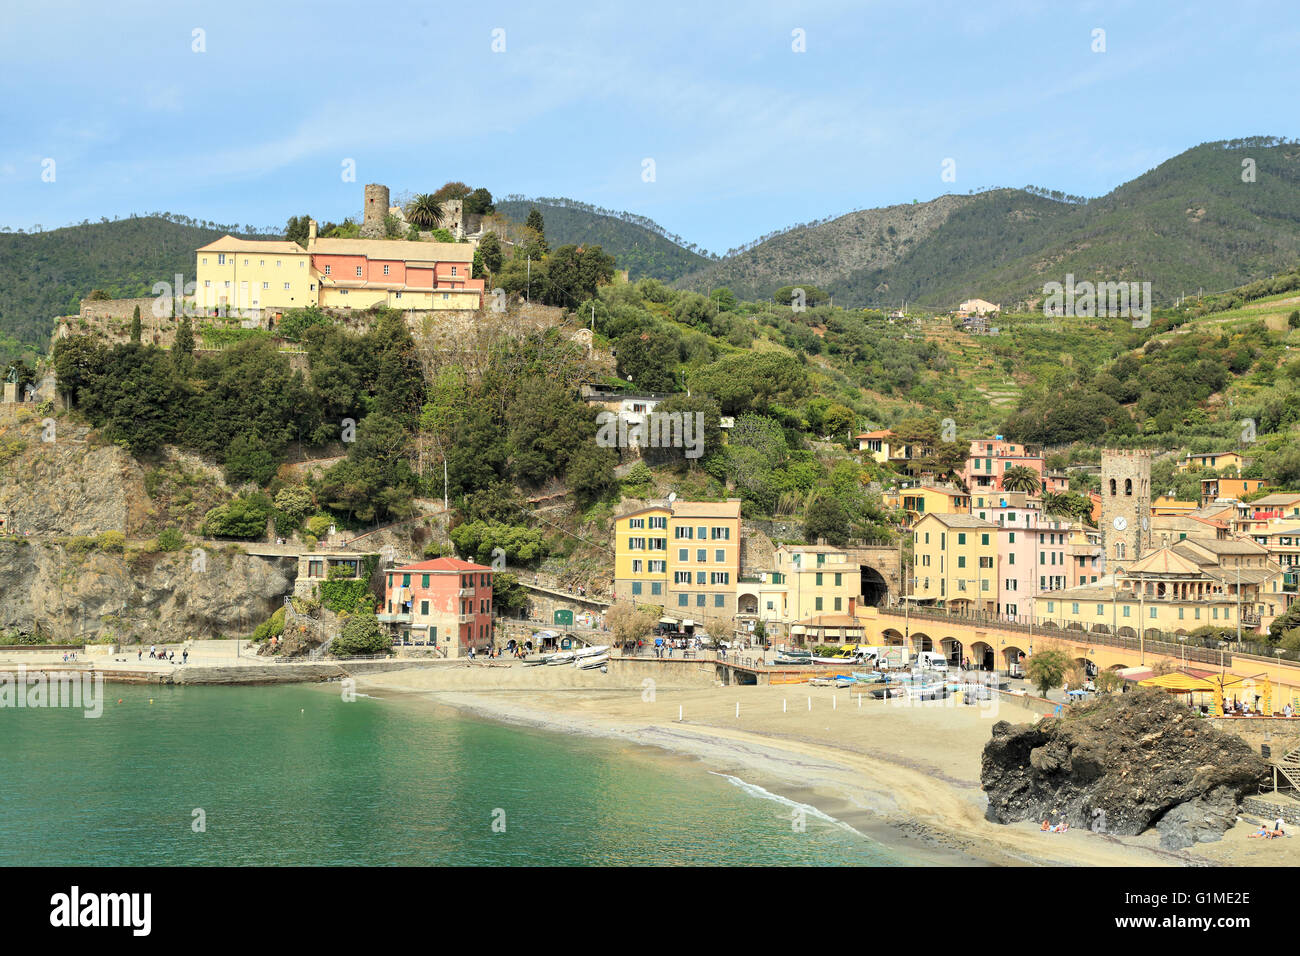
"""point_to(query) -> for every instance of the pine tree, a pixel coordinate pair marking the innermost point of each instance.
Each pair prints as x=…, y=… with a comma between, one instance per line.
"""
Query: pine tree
x=183, y=347
x=135, y=326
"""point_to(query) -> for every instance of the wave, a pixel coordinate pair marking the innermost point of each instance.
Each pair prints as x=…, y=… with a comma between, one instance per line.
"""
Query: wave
x=754, y=790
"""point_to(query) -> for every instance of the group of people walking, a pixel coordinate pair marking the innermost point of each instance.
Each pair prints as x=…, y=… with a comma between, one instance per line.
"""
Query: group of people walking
x=167, y=656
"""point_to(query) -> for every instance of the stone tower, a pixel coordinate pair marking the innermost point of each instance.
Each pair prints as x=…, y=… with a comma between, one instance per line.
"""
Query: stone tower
x=372, y=226
x=1125, y=506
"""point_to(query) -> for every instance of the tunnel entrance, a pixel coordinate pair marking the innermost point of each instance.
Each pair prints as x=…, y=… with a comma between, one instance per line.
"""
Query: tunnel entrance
x=875, y=592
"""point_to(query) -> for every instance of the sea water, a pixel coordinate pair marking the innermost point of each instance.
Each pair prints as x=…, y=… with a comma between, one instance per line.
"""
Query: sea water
x=296, y=775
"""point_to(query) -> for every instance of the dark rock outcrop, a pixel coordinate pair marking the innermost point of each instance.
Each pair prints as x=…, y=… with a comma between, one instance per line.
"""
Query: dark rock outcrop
x=1142, y=759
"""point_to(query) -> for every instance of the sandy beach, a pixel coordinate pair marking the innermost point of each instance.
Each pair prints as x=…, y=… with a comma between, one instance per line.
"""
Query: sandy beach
x=906, y=774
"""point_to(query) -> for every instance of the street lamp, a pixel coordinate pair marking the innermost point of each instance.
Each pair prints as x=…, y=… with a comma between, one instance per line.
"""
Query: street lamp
x=1222, y=646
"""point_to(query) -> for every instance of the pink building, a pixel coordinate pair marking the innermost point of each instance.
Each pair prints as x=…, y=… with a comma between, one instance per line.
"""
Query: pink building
x=1033, y=551
x=990, y=458
x=445, y=603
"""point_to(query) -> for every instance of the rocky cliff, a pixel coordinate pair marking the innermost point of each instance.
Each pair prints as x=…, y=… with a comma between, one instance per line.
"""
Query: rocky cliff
x=1125, y=763
x=79, y=596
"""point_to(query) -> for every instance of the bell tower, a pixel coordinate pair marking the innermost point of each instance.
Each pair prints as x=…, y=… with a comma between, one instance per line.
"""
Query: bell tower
x=1125, y=506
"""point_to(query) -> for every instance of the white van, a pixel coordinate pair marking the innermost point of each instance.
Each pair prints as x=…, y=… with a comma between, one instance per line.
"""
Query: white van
x=931, y=661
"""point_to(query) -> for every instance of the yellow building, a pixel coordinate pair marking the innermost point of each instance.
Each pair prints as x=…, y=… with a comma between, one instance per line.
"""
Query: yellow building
x=918, y=502
x=1218, y=460
x=954, y=562
x=1166, y=506
x=254, y=274
x=683, y=556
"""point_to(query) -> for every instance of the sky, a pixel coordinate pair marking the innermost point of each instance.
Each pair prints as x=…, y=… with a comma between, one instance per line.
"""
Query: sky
x=722, y=122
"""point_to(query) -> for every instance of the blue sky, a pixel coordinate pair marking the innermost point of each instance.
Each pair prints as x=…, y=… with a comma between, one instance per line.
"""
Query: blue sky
x=746, y=135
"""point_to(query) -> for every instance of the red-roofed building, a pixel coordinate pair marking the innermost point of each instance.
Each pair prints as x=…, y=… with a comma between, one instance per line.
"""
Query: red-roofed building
x=444, y=603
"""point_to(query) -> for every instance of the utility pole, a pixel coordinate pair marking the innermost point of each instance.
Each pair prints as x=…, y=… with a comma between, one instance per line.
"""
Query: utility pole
x=528, y=288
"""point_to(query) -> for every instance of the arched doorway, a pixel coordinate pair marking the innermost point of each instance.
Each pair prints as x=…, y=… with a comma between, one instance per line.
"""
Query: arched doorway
x=892, y=638
x=981, y=656
x=1013, y=659
x=952, y=650
x=874, y=589
x=921, y=642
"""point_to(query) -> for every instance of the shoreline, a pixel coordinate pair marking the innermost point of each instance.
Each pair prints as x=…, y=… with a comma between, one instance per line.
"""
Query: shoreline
x=923, y=801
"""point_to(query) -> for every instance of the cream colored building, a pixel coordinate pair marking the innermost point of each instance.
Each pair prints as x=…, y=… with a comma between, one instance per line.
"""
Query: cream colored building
x=807, y=581
x=1176, y=589
x=254, y=274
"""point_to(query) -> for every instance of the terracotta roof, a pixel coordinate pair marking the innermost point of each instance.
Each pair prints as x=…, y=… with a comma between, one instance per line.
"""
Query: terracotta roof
x=231, y=244
x=1164, y=561
x=879, y=433
x=444, y=565
x=962, y=521
x=397, y=249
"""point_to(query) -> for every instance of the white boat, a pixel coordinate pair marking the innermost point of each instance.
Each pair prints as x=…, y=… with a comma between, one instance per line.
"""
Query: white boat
x=590, y=663
x=563, y=658
x=593, y=651
x=821, y=682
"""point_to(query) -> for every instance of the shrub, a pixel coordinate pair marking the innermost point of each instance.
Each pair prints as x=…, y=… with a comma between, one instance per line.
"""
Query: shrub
x=111, y=541
x=239, y=518
x=169, y=539
x=273, y=626
x=361, y=635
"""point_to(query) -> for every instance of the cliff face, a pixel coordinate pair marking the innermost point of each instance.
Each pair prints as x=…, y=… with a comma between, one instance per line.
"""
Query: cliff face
x=81, y=596
x=67, y=486
x=1126, y=763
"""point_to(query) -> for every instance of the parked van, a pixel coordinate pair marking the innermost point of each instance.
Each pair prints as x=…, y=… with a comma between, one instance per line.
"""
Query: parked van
x=931, y=661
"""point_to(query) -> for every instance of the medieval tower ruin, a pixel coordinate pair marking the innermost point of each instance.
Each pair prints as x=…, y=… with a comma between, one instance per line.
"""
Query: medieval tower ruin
x=372, y=226
x=1125, y=507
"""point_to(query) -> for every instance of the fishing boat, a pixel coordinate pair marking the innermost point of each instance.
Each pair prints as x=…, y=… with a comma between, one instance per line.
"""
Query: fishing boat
x=821, y=682
x=592, y=651
x=565, y=657
x=783, y=659
x=842, y=681
x=590, y=663
x=868, y=677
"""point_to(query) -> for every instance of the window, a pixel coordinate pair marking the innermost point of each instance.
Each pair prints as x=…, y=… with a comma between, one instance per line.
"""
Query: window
x=245, y=262
x=358, y=270
x=636, y=567
x=636, y=587
x=838, y=604
x=424, y=607
x=701, y=555
x=207, y=283
x=1011, y=537
x=961, y=537
x=656, y=587
x=719, y=600
x=266, y=285
x=327, y=269
x=819, y=579
x=683, y=554
x=205, y=260
x=699, y=600
x=636, y=544
x=636, y=522
x=1127, y=609
x=1074, y=608
x=719, y=556
x=453, y=270
x=701, y=577
x=722, y=534
x=424, y=580
x=277, y=263
x=683, y=532
x=984, y=539
x=1101, y=609
x=659, y=521
x=221, y=259
x=961, y=560
x=839, y=580
x=286, y=287
x=681, y=577
x=818, y=604
x=385, y=269
x=683, y=600
x=406, y=580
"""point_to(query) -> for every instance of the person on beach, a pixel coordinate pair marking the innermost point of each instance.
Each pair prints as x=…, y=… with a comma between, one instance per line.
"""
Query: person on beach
x=1277, y=827
x=153, y=654
x=185, y=656
x=139, y=655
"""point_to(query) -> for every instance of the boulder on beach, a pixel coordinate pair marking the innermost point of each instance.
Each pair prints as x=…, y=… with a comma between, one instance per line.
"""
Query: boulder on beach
x=1133, y=760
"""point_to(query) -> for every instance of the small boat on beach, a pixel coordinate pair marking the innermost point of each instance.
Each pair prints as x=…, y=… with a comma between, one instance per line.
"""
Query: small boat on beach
x=821, y=682
x=842, y=681
x=869, y=677
x=590, y=663
x=565, y=657
x=592, y=651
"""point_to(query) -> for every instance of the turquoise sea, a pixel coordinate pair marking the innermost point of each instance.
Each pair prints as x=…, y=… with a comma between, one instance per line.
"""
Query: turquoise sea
x=294, y=775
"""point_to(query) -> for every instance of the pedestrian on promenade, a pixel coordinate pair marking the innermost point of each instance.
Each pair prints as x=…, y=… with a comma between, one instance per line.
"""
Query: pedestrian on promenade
x=139, y=655
x=185, y=656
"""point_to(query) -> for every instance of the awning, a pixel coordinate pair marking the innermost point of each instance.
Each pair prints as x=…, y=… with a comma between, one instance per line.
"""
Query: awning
x=1178, y=682
x=668, y=620
x=688, y=623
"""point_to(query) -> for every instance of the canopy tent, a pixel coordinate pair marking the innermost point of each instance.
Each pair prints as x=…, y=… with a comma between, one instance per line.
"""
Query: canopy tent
x=1179, y=683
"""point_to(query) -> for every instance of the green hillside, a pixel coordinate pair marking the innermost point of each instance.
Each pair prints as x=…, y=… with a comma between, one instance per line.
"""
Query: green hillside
x=46, y=274
x=637, y=244
x=1190, y=223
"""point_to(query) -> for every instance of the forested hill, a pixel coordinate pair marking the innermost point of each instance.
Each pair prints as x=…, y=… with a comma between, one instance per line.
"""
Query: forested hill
x=637, y=244
x=1190, y=223
x=46, y=274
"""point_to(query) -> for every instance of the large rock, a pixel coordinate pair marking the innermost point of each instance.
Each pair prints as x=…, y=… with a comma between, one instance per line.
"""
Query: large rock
x=1142, y=758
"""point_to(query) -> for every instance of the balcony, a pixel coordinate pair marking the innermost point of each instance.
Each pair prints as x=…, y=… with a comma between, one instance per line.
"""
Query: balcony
x=402, y=617
x=465, y=618
x=465, y=593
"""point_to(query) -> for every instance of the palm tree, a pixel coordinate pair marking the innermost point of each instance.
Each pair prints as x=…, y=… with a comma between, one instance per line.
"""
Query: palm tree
x=1021, y=478
x=424, y=211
